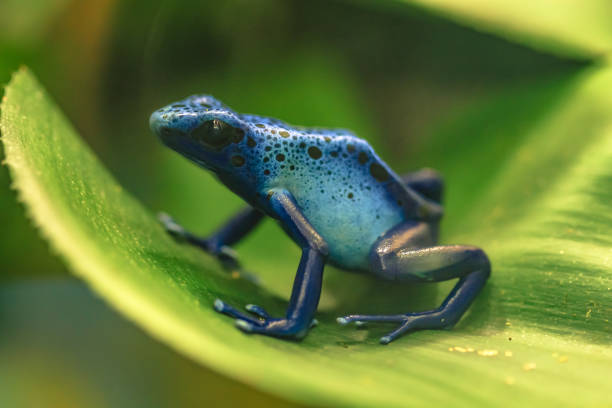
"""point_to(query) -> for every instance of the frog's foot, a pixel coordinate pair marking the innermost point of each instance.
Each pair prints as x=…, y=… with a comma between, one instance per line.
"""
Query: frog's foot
x=407, y=322
x=225, y=254
x=260, y=313
x=263, y=323
x=228, y=258
x=172, y=227
x=181, y=234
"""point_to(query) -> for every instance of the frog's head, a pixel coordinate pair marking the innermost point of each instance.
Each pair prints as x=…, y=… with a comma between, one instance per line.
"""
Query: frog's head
x=202, y=129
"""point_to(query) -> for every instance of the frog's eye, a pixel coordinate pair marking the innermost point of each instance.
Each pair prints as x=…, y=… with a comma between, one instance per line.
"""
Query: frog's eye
x=217, y=134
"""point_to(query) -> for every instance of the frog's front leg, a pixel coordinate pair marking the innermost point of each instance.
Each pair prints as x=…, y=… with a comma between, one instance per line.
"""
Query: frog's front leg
x=219, y=243
x=308, y=280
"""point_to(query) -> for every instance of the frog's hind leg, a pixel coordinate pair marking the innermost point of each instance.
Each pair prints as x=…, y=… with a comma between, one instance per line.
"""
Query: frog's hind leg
x=403, y=255
x=427, y=182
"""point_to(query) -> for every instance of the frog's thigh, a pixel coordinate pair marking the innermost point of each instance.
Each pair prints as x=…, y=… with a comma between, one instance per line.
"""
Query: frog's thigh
x=408, y=235
x=408, y=253
x=427, y=182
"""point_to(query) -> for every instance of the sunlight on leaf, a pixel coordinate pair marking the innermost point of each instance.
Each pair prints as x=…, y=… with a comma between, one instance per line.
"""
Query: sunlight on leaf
x=537, y=335
x=578, y=29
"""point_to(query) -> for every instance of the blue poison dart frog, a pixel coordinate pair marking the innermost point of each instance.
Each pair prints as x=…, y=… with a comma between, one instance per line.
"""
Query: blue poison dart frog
x=335, y=198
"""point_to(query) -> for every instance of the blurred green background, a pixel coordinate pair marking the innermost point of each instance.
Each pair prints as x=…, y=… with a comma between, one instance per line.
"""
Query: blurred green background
x=388, y=71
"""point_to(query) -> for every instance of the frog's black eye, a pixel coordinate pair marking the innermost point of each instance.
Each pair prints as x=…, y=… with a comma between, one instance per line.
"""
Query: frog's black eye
x=216, y=134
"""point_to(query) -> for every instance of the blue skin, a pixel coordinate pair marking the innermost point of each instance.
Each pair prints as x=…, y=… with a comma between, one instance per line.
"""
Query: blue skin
x=335, y=198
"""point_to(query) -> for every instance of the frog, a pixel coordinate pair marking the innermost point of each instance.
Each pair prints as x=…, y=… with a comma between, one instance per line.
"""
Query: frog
x=336, y=199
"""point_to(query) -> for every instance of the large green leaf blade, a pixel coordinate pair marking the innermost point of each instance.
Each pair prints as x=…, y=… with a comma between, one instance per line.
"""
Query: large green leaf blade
x=579, y=29
x=544, y=208
x=511, y=348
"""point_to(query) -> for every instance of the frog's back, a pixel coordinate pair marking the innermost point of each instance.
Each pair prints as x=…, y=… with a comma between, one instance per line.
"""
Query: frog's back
x=338, y=181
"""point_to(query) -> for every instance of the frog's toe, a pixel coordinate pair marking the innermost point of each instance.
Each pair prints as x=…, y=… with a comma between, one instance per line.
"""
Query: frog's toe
x=418, y=321
x=249, y=276
x=171, y=226
x=258, y=311
x=227, y=253
x=222, y=307
x=244, y=325
x=361, y=320
x=343, y=320
x=283, y=328
x=407, y=325
x=228, y=258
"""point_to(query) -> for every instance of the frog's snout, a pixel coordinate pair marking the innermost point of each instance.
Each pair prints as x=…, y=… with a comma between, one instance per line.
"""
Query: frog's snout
x=156, y=123
x=169, y=135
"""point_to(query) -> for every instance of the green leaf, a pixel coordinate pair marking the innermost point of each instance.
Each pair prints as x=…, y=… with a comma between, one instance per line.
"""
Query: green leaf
x=579, y=29
x=537, y=335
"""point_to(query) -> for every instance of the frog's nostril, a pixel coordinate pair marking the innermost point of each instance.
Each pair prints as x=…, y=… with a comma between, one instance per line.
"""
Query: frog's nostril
x=167, y=133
